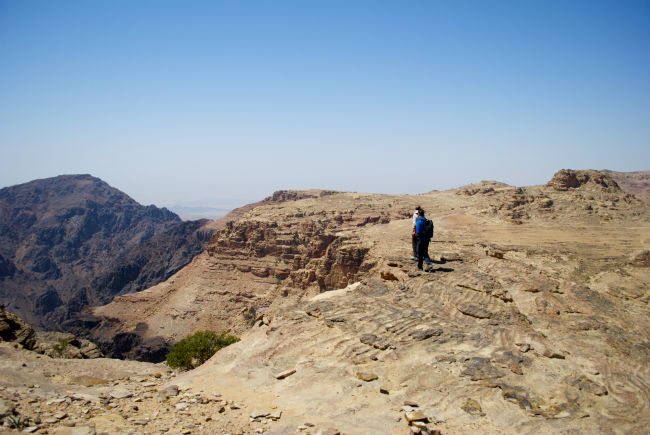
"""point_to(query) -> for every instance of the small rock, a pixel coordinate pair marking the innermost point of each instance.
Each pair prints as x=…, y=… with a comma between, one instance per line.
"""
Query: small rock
x=472, y=407
x=31, y=429
x=415, y=430
x=222, y=410
x=141, y=422
x=285, y=374
x=525, y=347
x=384, y=390
x=552, y=354
x=420, y=424
x=410, y=403
x=60, y=415
x=172, y=390
x=367, y=377
x=332, y=431
x=416, y=415
x=516, y=369
x=181, y=406
x=258, y=414
x=120, y=394
x=275, y=415
x=309, y=424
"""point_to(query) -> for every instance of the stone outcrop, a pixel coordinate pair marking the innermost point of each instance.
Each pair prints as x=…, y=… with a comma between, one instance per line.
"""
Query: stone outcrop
x=13, y=329
x=53, y=344
x=566, y=179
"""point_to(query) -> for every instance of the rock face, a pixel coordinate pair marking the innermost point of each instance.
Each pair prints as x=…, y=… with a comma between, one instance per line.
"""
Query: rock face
x=636, y=183
x=13, y=329
x=53, y=344
x=70, y=241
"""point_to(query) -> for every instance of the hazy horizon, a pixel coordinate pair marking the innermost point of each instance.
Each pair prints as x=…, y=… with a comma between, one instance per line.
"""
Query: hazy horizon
x=219, y=104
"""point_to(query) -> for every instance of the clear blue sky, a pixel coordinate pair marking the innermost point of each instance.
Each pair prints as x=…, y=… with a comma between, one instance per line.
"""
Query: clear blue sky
x=223, y=102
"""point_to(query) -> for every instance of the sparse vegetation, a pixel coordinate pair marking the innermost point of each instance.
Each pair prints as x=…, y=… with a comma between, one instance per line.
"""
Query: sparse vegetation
x=16, y=422
x=250, y=314
x=196, y=349
x=60, y=347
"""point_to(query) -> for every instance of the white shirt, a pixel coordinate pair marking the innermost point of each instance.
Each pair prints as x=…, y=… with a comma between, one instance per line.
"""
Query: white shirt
x=415, y=217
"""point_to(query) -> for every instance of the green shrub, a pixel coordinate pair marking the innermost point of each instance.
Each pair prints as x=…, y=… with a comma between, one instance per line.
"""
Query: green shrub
x=196, y=349
x=16, y=422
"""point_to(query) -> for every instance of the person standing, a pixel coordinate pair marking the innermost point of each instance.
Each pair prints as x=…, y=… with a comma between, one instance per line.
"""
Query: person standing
x=414, y=239
x=423, y=238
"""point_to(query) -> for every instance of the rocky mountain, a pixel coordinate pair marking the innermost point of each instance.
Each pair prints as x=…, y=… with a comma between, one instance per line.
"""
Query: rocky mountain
x=533, y=319
x=73, y=240
x=636, y=183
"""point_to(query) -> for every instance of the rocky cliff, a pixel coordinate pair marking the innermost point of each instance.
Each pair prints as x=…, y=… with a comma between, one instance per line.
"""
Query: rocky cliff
x=533, y=317
x=73, y=240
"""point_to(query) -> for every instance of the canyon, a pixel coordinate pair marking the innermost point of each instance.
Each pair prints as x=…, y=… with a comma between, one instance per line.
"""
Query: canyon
x=533, y=319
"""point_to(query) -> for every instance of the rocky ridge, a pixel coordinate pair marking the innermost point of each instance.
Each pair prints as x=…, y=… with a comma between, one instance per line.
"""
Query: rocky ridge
x=534, y=322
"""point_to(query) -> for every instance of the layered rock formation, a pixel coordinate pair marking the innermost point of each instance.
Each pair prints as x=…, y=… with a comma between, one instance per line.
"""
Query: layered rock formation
x=54, y=344
x=70, y=241
x=534, y=319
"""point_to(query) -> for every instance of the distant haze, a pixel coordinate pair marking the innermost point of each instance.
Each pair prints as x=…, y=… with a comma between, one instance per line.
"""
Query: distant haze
x=216, y=104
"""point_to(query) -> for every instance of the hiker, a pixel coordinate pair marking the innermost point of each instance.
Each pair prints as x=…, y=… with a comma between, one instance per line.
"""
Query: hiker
x=423, y=233
x=414, y=239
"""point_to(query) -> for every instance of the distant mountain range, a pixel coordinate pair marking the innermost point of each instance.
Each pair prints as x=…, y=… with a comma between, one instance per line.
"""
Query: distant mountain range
x=72, y=241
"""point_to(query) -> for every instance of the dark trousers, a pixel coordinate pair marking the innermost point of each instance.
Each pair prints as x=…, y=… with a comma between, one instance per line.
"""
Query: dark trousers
x=423, y=251
x=415, y=245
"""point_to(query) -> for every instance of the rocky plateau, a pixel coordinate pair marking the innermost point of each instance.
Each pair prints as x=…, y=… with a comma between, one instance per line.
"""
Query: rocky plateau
x=533, y=319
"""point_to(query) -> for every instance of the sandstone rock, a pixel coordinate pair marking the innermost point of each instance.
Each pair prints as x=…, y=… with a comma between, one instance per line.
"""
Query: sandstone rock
x=285, y=374
x=384, y=389
x=474, y=311
x=423, y=334
x=120, y=394
x=516, y=369
x=171, y=390
x=640, y=259
x=259, y=414
x=367, y=377
x=416, y=415
x=585, y=384
x=472, y=407
x=14, y=329
x=388, y=276
x=480, y=368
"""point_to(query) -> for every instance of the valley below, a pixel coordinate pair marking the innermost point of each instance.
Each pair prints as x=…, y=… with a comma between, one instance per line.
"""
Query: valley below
x=534, y=318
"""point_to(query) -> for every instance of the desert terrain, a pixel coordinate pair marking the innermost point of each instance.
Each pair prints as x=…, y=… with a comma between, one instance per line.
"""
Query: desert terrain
x=533, y=319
